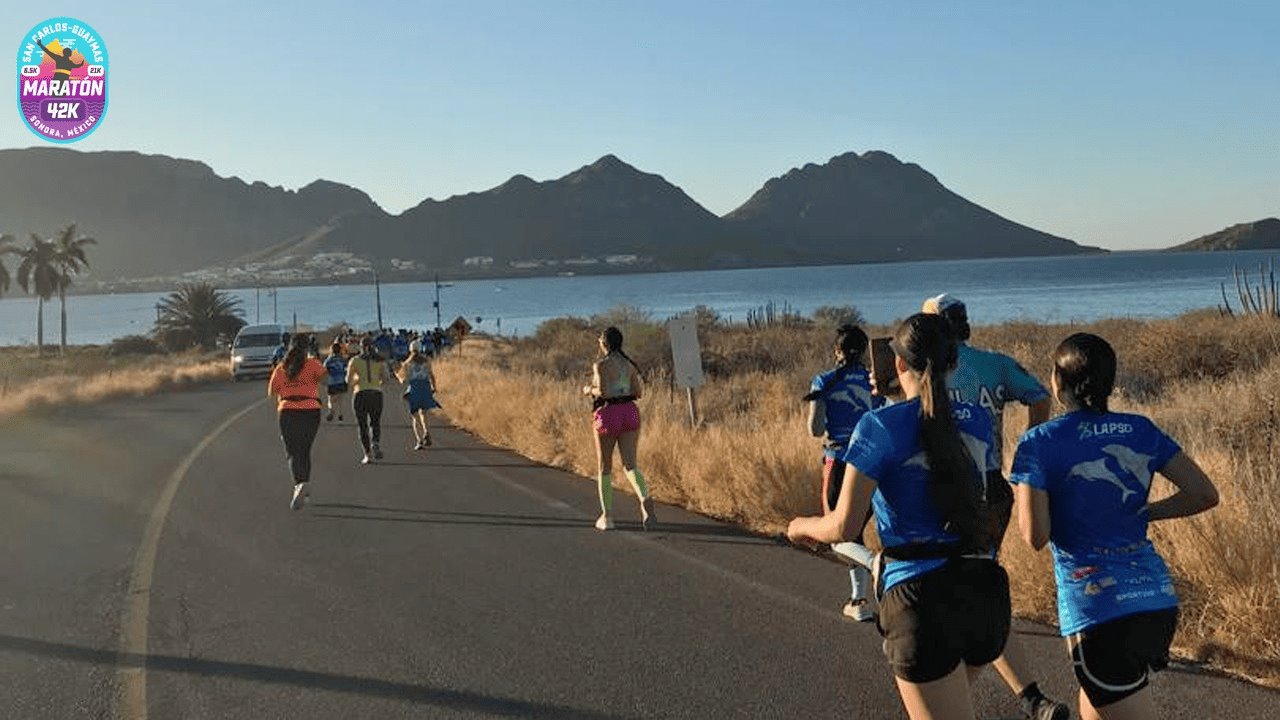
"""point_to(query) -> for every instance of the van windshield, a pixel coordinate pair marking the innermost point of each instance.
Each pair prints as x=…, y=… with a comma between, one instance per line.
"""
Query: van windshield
x=261, y=340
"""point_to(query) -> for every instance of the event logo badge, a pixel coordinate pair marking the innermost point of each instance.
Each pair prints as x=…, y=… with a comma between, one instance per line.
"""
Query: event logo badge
x=62, y=79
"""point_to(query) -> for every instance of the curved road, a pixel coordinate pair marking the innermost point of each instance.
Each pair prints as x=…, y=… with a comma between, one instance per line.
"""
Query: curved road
x=151, y=568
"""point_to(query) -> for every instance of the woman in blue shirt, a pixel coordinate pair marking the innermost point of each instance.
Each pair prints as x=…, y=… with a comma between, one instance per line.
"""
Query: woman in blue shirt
x=922, y=465
x=837, y=400
x=1081, y=485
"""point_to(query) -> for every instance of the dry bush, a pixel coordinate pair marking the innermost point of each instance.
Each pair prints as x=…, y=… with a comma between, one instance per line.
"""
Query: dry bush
x=88, y=377
x=1211, y=383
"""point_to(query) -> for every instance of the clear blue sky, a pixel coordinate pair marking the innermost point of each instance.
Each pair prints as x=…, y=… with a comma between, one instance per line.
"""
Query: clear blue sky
x=1126, y=125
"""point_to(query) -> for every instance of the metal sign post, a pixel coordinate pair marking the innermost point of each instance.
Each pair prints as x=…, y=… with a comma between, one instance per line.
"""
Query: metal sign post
x=686, y=359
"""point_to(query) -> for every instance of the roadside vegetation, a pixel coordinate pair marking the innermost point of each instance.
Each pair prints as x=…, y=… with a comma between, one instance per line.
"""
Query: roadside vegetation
x=180, y=352
x=1211, y=381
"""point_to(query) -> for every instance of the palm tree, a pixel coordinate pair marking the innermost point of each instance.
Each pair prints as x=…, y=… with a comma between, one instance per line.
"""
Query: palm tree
x=39, y=273
x=6, y=248
x=196, y=315
x=71, y=260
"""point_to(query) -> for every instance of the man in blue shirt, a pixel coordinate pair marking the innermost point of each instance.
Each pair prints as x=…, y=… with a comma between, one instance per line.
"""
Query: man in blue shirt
x=990, y=379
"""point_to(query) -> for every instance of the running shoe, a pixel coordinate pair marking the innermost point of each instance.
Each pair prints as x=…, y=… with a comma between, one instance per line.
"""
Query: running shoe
x=426, y=441
x=339, y=417
x=418, y=445
x=299, y=496
x=366, y=459
x=1047, y=709
x=329, y=417
x=648, y=515
x=604, y=523
x=377, y=452
x=860, y=612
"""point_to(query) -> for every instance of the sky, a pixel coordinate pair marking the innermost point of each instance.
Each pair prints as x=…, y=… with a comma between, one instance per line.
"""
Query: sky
x=1126, y=125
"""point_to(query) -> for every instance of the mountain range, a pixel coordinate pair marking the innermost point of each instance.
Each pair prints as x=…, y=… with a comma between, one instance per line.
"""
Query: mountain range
x=1260, y=235
x=157, y=215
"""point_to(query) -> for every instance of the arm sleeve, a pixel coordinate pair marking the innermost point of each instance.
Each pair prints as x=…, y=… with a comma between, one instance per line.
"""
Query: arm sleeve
x=1165, y=447
x=1028, y=466
x=870, y=447
x=1022, y=385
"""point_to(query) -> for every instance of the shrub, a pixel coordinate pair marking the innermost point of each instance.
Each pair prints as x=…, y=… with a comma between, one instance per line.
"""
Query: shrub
x=134, y=345
x=837, y=315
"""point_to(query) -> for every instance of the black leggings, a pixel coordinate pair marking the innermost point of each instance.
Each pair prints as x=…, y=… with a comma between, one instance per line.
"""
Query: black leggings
x=368, y=407
x=298, y=430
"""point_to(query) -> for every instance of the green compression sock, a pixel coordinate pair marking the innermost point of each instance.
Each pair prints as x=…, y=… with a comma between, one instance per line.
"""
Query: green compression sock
x=606, y=492
x=637, y=482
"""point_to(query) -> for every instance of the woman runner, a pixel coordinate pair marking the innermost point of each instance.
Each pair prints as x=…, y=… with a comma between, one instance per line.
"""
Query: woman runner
x=296, y=382
x=336, y=366
x=419, y=393
x=1081, y=485
x=365, y=375
x=922, y=465
x=837, y=400
x=615, y=387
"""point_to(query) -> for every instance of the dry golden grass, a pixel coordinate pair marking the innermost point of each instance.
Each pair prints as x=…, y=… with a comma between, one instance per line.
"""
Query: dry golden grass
x=1207, y=381
x=88, y=375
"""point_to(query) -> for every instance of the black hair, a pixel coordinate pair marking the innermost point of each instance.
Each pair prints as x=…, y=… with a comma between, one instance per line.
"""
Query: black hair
x=927, y=343
x=852, y=342
x=612, y=338
x=1085, y=366
x=958, y=316
x=297, y=355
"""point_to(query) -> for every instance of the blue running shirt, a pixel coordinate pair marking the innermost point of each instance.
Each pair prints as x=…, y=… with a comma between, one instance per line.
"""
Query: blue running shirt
x=336, y=366
x=1096, y=469
x=989, y=380
x=886, y=447
x=846, y=395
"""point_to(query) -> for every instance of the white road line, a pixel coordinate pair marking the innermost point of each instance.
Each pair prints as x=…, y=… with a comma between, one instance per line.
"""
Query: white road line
x=132, y=700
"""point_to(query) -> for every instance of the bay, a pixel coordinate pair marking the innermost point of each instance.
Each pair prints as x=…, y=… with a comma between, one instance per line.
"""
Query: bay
x=1056, y=289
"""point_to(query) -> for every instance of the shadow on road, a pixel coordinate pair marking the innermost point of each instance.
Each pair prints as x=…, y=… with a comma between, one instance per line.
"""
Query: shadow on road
x=349, y=511
x=269, y=674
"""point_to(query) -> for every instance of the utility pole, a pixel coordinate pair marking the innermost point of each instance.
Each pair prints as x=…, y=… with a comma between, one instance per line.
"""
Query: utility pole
x=437, y=302
x=257, y=303
x=377, y=290
x=275, y=305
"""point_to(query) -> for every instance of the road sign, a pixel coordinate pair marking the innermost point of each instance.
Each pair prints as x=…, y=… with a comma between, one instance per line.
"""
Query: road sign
x=686, y=355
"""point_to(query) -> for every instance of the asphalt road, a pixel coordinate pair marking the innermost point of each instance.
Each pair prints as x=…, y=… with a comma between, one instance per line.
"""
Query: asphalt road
x=151, y=567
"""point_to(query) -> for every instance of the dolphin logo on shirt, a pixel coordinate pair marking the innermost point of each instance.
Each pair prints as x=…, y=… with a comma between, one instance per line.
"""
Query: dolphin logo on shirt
x=978, y=449
x=919, y=460
x=1134, y=463
x=851, y=395
x=1097, y=470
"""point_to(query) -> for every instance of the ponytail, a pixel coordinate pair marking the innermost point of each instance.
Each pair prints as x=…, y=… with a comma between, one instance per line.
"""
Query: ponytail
x=928, y=345
x=296, y=356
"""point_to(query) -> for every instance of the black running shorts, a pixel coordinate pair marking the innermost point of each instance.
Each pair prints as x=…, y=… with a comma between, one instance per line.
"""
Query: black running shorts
x=1114, y=660
x=959, y=613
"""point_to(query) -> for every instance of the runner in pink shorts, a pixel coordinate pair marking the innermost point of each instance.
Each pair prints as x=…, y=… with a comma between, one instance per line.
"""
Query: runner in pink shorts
x=615, y=387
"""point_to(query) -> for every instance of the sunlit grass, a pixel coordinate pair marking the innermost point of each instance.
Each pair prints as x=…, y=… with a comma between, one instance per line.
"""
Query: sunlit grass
x=1213, y=384
x=88, y=375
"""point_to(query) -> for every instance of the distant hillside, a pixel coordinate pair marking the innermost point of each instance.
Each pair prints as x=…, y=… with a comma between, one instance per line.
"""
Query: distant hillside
x=156, y=215
x=605, y=208
x=874, y=207
x=153, y=214
x=1260, y=235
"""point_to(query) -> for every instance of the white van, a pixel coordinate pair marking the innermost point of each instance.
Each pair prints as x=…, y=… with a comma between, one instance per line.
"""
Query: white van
x=251, y=352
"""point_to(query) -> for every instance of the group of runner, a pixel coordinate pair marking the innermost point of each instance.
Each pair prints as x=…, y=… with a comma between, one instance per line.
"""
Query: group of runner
x=929, y=468
x=299, y=373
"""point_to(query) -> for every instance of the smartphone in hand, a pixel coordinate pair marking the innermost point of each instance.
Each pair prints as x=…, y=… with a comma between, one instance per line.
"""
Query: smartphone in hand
x=883, y=372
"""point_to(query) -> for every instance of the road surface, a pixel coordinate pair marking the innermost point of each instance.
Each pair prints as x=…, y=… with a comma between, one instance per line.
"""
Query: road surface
x=151, y=568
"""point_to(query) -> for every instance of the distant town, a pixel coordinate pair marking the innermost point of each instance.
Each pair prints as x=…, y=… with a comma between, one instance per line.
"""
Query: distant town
x=343, y=268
